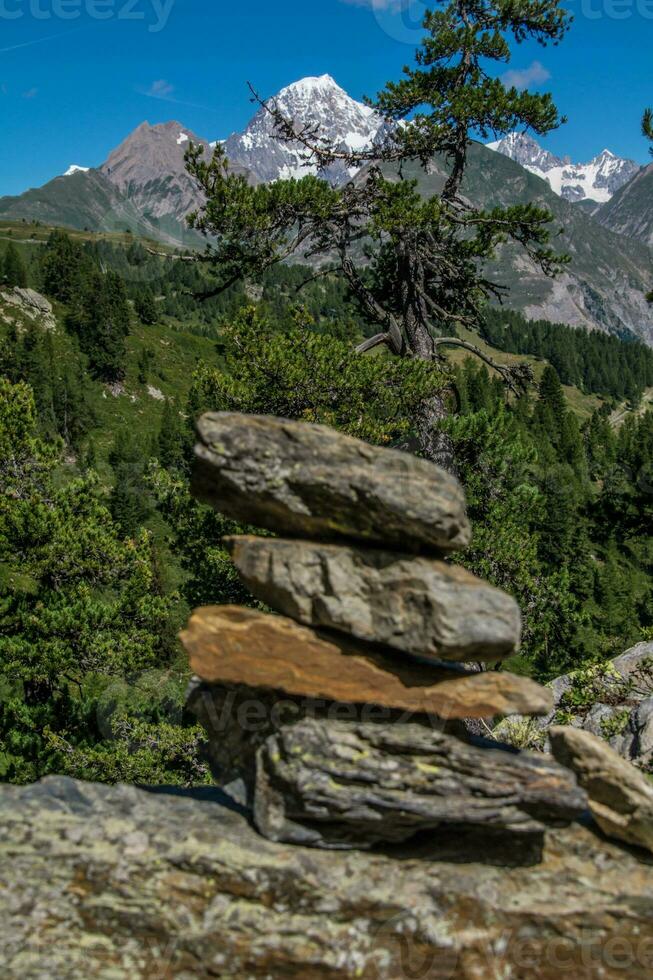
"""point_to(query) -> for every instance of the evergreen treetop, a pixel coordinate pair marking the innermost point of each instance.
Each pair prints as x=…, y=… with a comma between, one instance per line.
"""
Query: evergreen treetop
x=13, y=270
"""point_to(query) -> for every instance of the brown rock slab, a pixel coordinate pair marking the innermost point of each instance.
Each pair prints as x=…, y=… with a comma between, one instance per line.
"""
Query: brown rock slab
x=413, y=604
x=620, y=796
x=342, y=784
x=234, y=645
x=310, y=481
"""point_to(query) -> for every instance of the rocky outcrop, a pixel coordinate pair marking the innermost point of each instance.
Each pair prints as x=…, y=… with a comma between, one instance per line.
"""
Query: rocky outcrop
x=620, y=797
x=613, y=701
x=416, y=605
x=312, y=482
x=234, y=645
x=338, y=784
x=116, y=883
x=30, y=305
x=332, y=776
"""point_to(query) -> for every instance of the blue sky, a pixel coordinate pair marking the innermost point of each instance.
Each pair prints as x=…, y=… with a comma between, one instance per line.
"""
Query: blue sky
x=72, y=85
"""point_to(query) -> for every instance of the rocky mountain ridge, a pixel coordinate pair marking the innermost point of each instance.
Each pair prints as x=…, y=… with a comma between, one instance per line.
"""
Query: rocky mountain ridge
x=149, y=169
x=630, y=211
x=144, y=186
x=598, y=180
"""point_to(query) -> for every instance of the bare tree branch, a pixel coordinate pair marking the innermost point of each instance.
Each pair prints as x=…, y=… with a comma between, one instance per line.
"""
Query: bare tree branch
x=517, y=376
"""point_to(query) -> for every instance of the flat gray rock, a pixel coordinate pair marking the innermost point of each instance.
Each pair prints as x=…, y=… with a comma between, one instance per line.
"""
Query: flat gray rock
x=310, y=481
x=347, y=784
x=416, y=605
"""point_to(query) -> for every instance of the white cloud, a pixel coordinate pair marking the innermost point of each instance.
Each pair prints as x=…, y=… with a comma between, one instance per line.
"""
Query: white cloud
x=535, y=74
x=377, y=4
x=31, y=93
x=165, y=92
x=160, y=89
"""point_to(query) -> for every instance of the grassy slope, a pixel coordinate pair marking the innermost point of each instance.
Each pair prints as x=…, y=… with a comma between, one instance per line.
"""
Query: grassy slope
x=32, y=233
x=583, y=405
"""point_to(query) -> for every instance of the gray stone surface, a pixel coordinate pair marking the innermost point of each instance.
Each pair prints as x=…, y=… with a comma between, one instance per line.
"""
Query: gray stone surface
x=114, y=883
x=416, y=605
x=642, y=723
x=352, y=784
x=313, y=482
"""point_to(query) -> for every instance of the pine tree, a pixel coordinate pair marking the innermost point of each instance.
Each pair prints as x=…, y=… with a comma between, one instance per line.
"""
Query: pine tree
x=101, y=320
x=129, y=502
x=145, y=306
x=64, y=268
x=145, y=359
x=647, y=125
x=85, y=657
x=172, y=438
x=13, y=270
x=427, y=256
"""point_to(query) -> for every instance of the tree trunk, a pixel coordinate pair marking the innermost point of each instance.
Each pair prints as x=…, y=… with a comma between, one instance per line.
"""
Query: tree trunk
x=434, y=442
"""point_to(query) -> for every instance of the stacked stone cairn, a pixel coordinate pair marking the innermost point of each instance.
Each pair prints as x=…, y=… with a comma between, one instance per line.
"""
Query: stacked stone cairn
x=339, y=720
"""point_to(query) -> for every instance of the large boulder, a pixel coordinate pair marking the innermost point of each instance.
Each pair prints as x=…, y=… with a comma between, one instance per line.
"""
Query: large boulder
x=416, y=605
x=313, y=482
x=620, y=796
x=350, y=784
x=115, y=883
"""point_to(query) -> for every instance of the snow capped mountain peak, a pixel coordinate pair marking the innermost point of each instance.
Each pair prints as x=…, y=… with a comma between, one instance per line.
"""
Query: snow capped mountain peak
x=597, y=180
x=74, y=169
x=310, y=85
x=316, y=101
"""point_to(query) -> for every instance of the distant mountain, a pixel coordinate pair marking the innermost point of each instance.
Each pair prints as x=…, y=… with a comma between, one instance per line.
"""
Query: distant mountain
x=630, y=212
x=316, y=101
x=144, y=186
x=597, y=180
x=148, y=168
x=83, y=200
x=605, y=285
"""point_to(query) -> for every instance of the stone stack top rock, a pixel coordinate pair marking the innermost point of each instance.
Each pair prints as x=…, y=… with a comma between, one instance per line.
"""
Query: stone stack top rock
x=309, y=481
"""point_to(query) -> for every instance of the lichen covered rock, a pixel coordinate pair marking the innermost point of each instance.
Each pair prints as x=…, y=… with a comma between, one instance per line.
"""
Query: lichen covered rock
x=350, y=784
x=116, y=883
